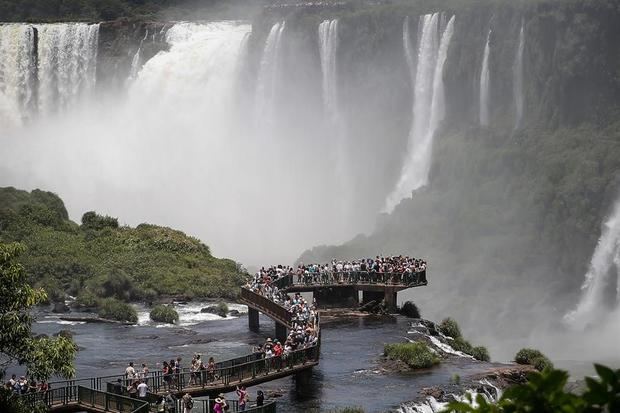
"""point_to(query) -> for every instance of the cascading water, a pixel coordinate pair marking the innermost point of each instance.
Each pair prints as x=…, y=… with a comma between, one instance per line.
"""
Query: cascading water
x=136, y=61
x=518, y=79
x=328, y=46
x=17, y=67
x=485, y=83
x=268, y=76
x=604, y=272
x=67, y=56
x=428, y=102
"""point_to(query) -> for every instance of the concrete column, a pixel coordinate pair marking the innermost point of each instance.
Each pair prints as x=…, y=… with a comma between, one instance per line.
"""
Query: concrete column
x=390, y=299
x=368, y=296
x=303, y=381
x=281, y=332
x=253, y=319
x=339, y=297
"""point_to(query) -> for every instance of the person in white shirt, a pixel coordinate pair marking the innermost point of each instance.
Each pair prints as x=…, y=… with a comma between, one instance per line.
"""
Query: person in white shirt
x=142, y=389
x=130, y=373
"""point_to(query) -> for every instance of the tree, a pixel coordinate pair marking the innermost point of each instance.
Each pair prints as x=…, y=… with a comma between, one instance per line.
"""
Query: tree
x=43, y=357
x=92, y=220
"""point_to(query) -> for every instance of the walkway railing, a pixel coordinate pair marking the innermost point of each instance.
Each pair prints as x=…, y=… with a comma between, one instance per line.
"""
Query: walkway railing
x=352, y=277
x=268, y=307
x=85, y=397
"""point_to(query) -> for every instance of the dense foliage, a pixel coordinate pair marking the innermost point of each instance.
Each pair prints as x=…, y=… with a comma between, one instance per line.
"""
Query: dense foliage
x=450, y=328
x=42, y=356
x=416, y=355
x=100, y=259
x=534, y=358
x=546, y=393
x=164, y=314
x=409, y=309
x=113, y=309
x=98, y=10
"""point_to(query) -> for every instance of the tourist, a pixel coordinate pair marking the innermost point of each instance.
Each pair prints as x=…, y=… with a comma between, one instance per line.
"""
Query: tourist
x=218, y=407
x=161, y=404
x=165, y=370
x=260, y=398
x=243, y=397
x=132, y=389
x=188, y=403
x=225, y=405
x=130, y=373
x=145, y=372
x=211, y=370
x=142, y=389
x=118, y=389
x=171, y=402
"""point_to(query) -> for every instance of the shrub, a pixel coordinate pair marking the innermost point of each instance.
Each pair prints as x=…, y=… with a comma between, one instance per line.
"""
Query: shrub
x=409, y=309
x=542, y=363
x=450, y=328
x=113, y=309
x=222, y=309
x=533, y=357
x=92, y=220
x=86, y=299
x=460, y=344
x=480, y=353
x=164, y=314
x=416, y=355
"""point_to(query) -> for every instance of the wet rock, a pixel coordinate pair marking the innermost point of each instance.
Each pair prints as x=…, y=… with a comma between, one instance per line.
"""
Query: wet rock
x=271, y=394
x=434, y=391
x=234, y=313
x=60, y=308
x=64, y=333
x=210, y=309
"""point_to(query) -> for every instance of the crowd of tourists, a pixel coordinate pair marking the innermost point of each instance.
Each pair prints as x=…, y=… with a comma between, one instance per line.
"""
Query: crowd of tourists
x=22, y=385
x=385, y=270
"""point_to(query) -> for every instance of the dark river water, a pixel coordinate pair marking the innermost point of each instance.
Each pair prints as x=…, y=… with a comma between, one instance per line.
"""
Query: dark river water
x=348, y=374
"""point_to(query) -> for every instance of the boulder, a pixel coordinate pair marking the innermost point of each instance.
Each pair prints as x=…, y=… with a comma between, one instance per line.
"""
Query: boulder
x=210, y=309
x=60, y=308
x=234, y=313
x=64, y=333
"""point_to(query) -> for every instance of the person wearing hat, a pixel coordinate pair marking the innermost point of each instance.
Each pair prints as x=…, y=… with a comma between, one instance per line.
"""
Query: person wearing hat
x=243, y=397
x=188, y=403
x=225, y=405
x=217, y=407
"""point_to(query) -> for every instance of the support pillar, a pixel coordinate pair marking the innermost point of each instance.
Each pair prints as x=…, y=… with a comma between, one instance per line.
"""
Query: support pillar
x=368, y=296
x=303, y=381
x=390, y=299
x=253, y=319
x=281, y=332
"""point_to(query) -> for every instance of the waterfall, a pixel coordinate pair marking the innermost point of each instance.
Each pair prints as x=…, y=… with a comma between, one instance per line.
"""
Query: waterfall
x=17, y=67
x=604, y=272
x=518, y=79
x=136, y=61
x=268, y=76
x=67, y=56
x=328, y=42
x=428, y=102
x=485, y=84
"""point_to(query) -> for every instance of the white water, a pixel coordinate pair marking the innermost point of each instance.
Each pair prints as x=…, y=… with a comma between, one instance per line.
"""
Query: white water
x=16, y=72
x=328, y=49
x=593, y=308
x=189, y=314
x=485, y=80
x=268, y=77
x=491, y=394
x=136, y=61
x=428, y=103
x=518, y=79
x=67, y=57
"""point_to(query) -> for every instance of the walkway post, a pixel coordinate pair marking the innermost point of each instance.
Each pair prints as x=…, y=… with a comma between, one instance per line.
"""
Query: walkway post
x=253, y=319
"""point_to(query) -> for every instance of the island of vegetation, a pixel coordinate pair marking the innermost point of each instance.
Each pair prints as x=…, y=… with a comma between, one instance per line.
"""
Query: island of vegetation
x=105, y=265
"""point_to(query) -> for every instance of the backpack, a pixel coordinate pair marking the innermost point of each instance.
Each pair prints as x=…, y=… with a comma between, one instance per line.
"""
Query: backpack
x=189, y=404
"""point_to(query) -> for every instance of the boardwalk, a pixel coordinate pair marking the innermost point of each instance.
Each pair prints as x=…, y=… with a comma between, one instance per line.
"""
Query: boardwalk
x=96, y=394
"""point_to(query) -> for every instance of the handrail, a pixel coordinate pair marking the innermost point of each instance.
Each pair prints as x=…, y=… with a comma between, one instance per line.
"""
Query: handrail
x=323, y=278
x=110, y=402
x=283, y=315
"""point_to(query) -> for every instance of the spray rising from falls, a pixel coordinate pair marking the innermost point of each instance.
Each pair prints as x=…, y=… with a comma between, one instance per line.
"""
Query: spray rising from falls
x=518, y=79
x=268, y=76
x=600, y=297
x=67, y=64
x=485, y=83
x=17, y=72
x=428, y=102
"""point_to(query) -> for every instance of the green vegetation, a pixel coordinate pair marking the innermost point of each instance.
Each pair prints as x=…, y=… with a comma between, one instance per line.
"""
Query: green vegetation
x=113, y=309
x=416, y=355
x=533, y=357
x=101, y=259
x=409, y=309
x=222, y=309
x=164, y=314
x=545, y=393
x=450, y=328
x=43, y=357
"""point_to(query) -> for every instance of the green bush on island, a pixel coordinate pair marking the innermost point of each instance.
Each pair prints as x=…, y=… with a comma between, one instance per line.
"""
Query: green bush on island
x=129, y=264
x=534, y=358
x=86, y=299
x=409, y=309
x=449, y=327
x=416, y=355
x=546, y=392
x=164, y=314
x=481, y=353
x=113, y=309
x=222, y=309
